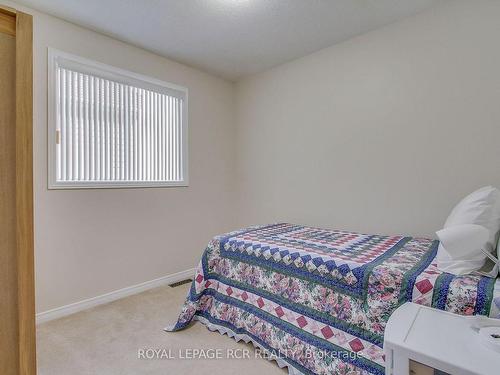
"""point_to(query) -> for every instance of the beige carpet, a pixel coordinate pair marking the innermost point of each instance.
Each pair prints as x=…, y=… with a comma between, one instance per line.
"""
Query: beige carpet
x=106, y=339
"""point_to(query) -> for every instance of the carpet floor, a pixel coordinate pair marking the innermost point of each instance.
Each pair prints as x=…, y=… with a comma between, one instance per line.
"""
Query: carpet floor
x=107, y=340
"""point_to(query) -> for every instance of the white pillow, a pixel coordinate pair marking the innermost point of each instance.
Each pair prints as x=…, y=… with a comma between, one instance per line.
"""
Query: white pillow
x=481, y=208
x=459, y=266
x=460, y=251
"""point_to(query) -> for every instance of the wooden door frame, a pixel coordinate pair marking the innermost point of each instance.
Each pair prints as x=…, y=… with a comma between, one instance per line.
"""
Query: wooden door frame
x=20, y=25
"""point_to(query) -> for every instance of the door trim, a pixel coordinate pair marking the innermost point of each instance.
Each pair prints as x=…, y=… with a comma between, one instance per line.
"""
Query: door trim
x=24, y=193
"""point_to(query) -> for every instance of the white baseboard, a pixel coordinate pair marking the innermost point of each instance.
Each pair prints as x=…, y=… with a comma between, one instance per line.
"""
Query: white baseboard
x=112, y=296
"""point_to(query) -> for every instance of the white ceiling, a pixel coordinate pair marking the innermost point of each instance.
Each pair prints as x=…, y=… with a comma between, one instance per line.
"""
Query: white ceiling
x=232, y=38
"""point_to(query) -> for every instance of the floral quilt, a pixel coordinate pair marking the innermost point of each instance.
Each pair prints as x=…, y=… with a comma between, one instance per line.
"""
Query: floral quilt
x=319, y=300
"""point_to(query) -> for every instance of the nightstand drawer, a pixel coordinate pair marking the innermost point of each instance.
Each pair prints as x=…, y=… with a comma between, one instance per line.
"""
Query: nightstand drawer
x=420, y=369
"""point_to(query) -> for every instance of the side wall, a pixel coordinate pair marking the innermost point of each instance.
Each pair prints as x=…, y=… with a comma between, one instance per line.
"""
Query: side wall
x=383, y=133
x=90, y=242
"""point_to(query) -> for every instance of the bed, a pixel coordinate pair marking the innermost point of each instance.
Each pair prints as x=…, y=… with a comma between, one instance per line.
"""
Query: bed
x=316, y=300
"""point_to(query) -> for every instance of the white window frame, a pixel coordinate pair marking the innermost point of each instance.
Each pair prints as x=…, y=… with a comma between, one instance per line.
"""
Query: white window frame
x=58, y=58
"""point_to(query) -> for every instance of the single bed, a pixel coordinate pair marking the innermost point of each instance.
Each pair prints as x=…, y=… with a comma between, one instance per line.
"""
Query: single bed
x=318, y=300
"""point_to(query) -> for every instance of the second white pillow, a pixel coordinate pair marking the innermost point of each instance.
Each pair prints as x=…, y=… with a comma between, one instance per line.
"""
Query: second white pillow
x=464, y=241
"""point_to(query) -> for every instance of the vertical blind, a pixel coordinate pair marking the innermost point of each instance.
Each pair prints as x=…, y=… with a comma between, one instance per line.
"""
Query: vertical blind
x=109, y=131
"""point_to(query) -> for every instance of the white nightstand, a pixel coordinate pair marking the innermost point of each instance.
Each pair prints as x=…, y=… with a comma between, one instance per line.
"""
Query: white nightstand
x=422, y=339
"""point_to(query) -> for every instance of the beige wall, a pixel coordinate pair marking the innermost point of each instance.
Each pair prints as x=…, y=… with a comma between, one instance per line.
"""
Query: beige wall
x=382, y=133
x=90, y=242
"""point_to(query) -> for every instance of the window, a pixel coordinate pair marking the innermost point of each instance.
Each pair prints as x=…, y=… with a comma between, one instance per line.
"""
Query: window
x=113, y=128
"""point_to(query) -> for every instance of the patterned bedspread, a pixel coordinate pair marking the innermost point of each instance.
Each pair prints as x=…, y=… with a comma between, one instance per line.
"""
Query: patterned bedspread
x=318, y=300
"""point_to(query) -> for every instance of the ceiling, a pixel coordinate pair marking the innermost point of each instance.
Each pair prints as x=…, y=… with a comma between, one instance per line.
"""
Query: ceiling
x=231, y=38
